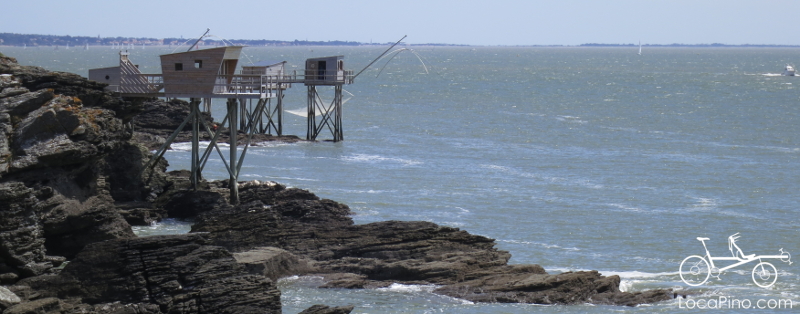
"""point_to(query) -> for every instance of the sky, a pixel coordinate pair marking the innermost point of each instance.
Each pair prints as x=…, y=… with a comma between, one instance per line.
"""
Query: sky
x=467, y=22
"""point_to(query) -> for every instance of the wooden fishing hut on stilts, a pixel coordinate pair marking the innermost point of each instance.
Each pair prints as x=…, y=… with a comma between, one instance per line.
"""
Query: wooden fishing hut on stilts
x=203, y=75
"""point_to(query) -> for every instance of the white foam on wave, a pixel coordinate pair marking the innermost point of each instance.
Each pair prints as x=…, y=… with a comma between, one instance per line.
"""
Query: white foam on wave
x=544, y=245
x=377, y=158
x=571, y=119
x=187, y=146
x=631, y=130
x=738, y=146
x=628, y=279
x=397, y=287
x=704, y=203
x=622, y=274
x=275, y=178
x=624, y=207
x=163, y=227
x=637, y=274
x=547, y=179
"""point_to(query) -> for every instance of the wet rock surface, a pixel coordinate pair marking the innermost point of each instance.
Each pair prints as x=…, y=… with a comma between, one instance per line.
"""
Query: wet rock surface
x=181, y=274
x=324, y=309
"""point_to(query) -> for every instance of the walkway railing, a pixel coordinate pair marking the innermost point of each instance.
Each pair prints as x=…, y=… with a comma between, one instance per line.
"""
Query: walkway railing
x=238, y=84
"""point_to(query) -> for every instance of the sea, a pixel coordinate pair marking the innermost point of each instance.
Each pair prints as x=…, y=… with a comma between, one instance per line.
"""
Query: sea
x=573, y=158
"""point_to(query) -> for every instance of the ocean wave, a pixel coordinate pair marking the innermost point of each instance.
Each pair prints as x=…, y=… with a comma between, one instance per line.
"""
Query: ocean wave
x=540, y=244
x=631, y=130
x=571, y=119
x=276, y=178
x=636, y=274
x=548, y=179
x=779, y=149
x=624, y=207
x=377, y=158
x=396, y=287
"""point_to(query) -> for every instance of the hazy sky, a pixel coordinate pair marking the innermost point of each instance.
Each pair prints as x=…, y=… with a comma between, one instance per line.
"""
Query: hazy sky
x=495, y=22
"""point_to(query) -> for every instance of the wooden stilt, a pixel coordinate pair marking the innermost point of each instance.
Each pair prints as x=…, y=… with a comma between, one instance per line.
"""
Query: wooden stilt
x=233, y=116
x=194, y=113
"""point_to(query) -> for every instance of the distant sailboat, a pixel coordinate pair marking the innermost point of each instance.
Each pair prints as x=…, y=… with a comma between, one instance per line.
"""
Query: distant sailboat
x=640, y=48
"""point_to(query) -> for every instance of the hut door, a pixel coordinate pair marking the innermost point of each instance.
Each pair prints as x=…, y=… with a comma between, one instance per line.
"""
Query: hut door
x=321, y=65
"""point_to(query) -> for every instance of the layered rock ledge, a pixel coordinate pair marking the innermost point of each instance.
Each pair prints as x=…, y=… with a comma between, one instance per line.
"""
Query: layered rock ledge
x=72, y=184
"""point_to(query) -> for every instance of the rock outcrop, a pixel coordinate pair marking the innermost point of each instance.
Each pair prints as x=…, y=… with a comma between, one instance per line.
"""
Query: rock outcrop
x=53, y=190
x=181, y=274
x=381, y=253
x=68, y=170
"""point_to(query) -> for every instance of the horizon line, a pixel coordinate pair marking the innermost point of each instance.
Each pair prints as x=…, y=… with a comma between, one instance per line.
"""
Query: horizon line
x=306, y=42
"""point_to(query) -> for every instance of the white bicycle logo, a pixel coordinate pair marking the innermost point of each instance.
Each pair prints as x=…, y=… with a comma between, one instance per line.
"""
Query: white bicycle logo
x=695, y=269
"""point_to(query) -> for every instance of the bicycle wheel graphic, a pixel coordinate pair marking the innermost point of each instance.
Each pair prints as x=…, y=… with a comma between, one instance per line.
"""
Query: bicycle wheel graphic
x=694, y=270
x=765, y=275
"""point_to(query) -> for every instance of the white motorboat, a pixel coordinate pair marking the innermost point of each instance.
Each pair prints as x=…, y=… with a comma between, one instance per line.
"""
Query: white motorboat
x=789, y=71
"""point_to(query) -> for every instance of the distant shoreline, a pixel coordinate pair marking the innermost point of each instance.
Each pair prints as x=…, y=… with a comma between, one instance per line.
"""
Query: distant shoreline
x=36, y=40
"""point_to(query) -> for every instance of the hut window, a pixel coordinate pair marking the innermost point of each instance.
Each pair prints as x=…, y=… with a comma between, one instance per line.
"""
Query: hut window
x=198, y=64
x=178, y=66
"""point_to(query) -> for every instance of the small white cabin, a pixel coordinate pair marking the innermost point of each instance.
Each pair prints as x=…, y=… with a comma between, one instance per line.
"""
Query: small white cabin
x=110, y=76
x=325, y=71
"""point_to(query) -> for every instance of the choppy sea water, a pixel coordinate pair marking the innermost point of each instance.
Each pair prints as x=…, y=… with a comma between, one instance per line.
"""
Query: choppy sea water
x=572, y=158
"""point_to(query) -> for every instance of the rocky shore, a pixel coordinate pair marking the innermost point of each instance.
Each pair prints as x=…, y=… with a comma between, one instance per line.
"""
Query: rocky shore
x=71, y=158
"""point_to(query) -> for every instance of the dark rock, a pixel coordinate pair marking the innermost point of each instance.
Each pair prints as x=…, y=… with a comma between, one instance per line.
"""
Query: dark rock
x=273, y=263
x=633, y=298
x=128, y=181
x=7, y=298
x=22, y=104
x=141, y=216
x=322, y=230
x=164, y=117
x=350, y=281
x=62, y=132
x=565, y=288
x=25, y=292
x=188, y=203
x=21, y=235
x=324, y=309
x=12, y=91
x=71, y=225
x=8, y=278
x=115, y=308
x=181, y=274
x=541, y=288
x=40, y=306
x=57, y=261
